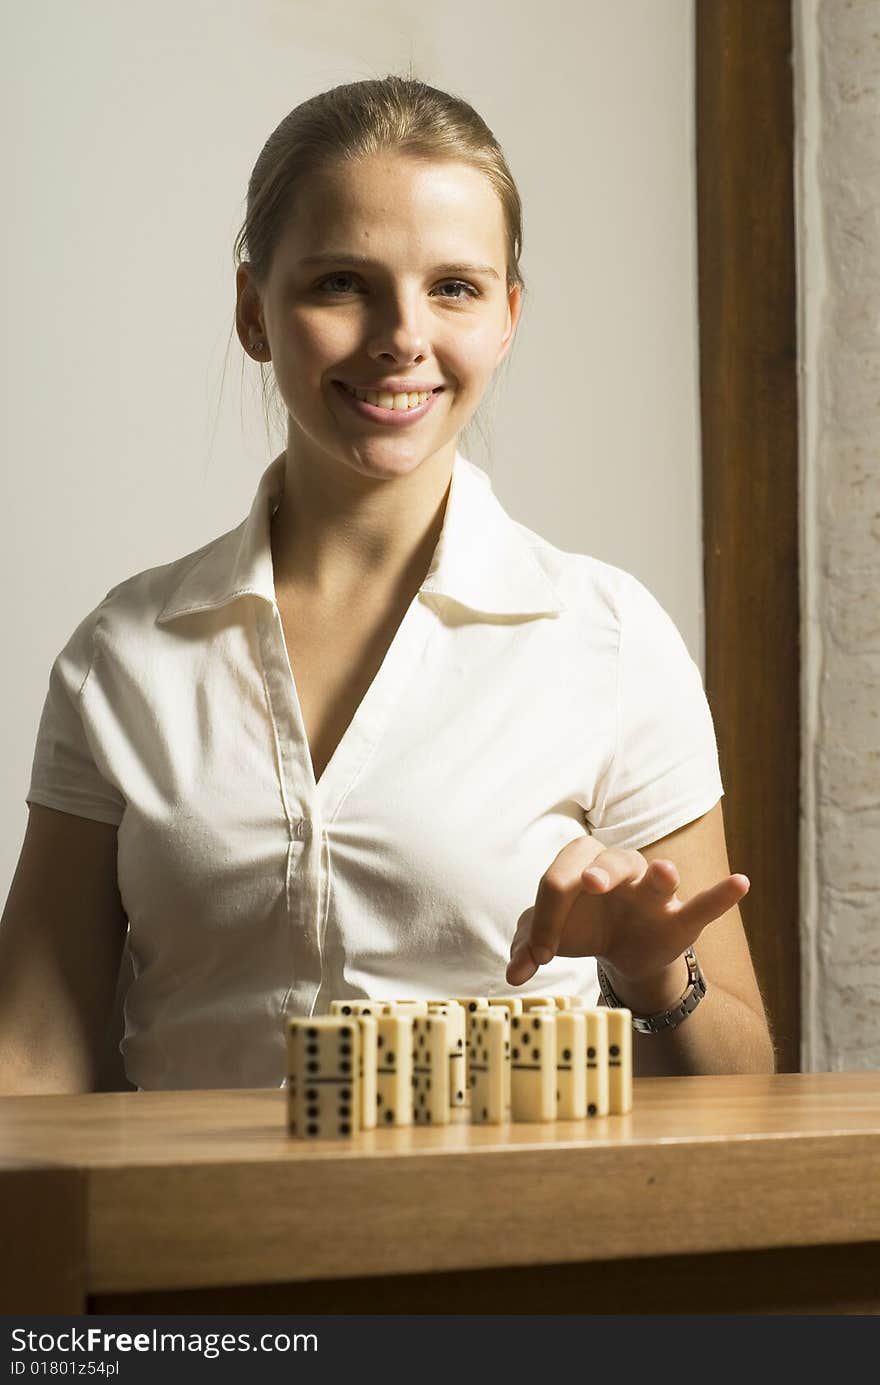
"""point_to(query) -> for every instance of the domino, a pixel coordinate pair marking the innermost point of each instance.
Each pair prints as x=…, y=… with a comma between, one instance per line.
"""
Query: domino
x=619, y=1061
x=430, y=1066
x=367, y=1069
x=360, y=1007
x=514, y=1006
x=489, y=1065
x=512, y=1003
x=394, y=1101
x=571, y=1071
x=323, y=1057
x=472, y=1002
x=408, y=1007
x=456, y=1034
x=395, y=1063
x=533, y=1066
x=598, y=1101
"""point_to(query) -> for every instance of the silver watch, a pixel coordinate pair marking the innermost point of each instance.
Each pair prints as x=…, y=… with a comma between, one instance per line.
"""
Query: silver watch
x=657, y=1024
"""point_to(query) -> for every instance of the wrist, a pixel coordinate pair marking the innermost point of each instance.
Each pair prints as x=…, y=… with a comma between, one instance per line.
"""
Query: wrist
x=650, y=995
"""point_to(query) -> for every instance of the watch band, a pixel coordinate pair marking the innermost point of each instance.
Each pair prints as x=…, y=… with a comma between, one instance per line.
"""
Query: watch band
x=668, y=1019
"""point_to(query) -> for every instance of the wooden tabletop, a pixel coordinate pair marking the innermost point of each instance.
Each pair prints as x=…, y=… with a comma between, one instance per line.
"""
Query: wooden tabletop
x=207, y=1188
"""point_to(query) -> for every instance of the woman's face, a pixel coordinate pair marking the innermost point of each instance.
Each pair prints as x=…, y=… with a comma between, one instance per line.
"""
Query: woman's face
x=389, y=270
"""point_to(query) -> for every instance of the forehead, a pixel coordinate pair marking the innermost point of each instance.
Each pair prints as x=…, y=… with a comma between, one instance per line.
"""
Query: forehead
x=390, y=204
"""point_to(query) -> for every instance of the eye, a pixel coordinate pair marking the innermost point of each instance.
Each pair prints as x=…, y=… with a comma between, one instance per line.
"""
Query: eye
x=325, y=285
x=331, y=278
x=459, y=284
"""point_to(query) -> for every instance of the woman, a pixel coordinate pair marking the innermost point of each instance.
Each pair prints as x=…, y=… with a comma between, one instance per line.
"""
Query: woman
x=380, y=739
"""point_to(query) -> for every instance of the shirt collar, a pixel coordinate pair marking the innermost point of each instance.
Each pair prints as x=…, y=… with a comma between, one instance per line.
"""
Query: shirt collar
x=482, y=560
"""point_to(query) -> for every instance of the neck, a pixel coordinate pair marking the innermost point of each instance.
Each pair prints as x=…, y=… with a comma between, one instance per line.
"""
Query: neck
x=339, y=534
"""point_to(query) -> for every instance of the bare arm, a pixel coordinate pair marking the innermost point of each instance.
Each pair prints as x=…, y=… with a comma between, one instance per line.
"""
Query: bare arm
x=61, y=940
x=729, y=1030
x=637, y=919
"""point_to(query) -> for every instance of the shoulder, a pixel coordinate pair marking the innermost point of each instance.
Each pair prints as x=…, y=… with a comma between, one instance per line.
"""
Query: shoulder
x=589, y=587
x=133, y=605
x=608, y=609
x=125, y=622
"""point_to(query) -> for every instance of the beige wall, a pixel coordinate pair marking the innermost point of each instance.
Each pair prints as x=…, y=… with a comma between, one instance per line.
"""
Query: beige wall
x=129, y=137
x=838, y=184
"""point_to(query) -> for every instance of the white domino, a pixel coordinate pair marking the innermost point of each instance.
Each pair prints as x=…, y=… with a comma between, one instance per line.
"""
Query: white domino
x=470, y=1004
x=394, y=1103
x=456, y=1035
x=380, y=1062
x=533, y=1065
x=571, y=1071
x=597, y=1061
x=323, y=1092
x=489, y=1065
x=512, y=1003
x=369, y=1029
x=430, y=1060
x=408, y=1007
x=360, y=1007
x=619, y=1061
x=514, y=1006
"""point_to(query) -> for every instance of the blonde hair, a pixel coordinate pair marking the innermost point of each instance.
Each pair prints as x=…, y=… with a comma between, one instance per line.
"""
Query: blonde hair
x=354, y=121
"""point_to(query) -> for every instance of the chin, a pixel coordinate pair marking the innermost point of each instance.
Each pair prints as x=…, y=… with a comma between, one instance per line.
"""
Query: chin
x=378, y=459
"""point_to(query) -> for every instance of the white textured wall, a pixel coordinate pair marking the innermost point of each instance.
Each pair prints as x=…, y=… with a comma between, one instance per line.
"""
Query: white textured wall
x=837, y=66
x=129, y=135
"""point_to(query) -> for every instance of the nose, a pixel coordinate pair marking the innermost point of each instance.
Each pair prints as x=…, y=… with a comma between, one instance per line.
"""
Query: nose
x=399, y=332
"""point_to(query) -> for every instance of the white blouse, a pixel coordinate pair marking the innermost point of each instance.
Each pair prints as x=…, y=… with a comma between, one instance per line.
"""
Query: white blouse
x=530, y=696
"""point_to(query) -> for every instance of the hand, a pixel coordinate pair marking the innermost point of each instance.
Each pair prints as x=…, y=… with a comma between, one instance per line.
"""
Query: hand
x=628, y=916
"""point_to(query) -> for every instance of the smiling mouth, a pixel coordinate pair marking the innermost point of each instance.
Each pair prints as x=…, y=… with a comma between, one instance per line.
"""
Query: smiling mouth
x=384, y=399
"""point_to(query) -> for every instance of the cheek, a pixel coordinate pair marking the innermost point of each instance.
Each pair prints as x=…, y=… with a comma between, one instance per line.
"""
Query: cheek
x=476, y=349
x=315, y=340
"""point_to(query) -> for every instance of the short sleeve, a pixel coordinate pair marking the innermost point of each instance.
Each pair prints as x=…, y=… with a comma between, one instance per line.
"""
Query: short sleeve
x=664, y=772
x=65, y=774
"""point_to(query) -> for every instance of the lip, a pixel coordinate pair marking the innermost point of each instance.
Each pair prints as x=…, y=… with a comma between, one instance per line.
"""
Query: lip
x=394, y=418
x=396, y=385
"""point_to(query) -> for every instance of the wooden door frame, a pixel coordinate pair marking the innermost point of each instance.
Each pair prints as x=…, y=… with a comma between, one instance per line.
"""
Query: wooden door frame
x=749, y=411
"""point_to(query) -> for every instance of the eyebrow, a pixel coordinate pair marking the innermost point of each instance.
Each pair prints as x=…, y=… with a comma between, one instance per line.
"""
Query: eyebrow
x=334, y=257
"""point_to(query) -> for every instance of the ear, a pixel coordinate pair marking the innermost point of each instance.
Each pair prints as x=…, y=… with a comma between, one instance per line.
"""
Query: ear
x=248, y=308
x=514, y=308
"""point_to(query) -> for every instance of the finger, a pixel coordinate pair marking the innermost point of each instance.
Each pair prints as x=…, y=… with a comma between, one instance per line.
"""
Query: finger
x=663, y=877
x=614, y=866
x=522, y=964
x=558, y=889
x=521, y=967
x=562, y=884
x=522, y=931
x=707, y=906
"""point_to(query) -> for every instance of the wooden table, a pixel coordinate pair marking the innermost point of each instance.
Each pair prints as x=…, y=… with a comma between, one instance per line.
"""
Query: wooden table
x=733, y=1194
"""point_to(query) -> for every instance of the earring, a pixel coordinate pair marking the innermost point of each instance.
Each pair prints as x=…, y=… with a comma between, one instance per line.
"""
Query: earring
x=258, y=346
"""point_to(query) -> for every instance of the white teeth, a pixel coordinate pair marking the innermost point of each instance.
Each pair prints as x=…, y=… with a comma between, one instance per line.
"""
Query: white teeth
x=385, y=400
